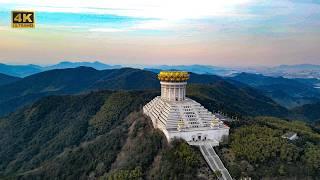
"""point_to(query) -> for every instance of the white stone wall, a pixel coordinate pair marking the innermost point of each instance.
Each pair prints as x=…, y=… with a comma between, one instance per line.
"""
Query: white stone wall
x=210, y=134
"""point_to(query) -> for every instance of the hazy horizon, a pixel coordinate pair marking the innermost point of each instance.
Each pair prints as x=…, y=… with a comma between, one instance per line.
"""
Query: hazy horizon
x=210, y=32
x=153, y=65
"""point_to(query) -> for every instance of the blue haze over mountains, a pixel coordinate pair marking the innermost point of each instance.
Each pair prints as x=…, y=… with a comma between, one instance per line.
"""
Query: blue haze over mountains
x=304, y=71
x=36, y=82
x=30, y=69
x=288, y=85
x=27, y=90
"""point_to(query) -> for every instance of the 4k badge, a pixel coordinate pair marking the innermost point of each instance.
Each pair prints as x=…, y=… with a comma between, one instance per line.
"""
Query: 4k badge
x=23, y=19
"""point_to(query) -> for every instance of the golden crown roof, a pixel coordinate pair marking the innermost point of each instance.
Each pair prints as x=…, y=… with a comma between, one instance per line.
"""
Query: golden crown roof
x=173, y=76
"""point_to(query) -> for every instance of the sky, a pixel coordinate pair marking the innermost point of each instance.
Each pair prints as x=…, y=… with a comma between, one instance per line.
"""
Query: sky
x=211, y=32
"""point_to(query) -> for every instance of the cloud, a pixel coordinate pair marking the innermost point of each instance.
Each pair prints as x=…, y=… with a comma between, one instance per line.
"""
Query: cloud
x=164, y=9
x=4, y=28
x=106, y=30
x=143, y=25
x=155, y=25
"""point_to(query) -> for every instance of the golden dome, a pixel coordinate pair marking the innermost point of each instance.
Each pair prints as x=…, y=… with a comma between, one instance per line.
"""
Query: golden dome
x=173, y=76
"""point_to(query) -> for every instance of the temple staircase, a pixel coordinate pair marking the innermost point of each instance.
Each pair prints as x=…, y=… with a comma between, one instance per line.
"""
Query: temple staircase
x=214, y=161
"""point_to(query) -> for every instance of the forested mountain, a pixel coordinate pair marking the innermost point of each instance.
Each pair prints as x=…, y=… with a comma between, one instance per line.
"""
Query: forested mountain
x=6, y=79
x=307, y=112
x=97, y=135
x=287, y=92
x=257, y=149
x=71, y=81
x=104, y=135
x=242, y=101
x=84, y=79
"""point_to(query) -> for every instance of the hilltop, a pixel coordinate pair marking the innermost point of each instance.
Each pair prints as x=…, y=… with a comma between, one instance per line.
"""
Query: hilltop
x=97, y=135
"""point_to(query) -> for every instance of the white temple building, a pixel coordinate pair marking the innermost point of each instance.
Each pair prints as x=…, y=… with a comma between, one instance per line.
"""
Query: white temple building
x=180, y=117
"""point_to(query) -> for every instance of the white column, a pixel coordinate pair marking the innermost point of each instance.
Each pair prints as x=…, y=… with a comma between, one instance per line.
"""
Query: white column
x=179, y=93
x=184, y=91
x=162, y=91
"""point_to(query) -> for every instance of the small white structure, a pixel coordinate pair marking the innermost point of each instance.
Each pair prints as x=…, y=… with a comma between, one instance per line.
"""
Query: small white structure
x=290, y=135
x=180, y=117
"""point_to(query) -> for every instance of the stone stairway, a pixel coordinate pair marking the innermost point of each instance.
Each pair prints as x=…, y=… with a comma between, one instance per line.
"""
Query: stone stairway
x=214, y=161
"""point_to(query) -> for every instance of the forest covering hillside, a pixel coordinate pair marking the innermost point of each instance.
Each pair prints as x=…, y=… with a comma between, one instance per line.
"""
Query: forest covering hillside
x=83, y=79
x=71, y=81
x=104, y=135
x=6, y=79
x=286, y=92
x=95, y=135
x=256, y=149
x=235, y=101
x=307, y=112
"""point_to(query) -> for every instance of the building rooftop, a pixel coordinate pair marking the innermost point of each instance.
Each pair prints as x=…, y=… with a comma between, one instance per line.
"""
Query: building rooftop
x=290, y=135
x=173, y=76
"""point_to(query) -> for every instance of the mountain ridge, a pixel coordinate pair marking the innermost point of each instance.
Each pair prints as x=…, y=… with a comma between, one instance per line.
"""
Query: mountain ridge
x=30, y=69
x=83, y=136
x=287, y=92
x=6, y=79
x=84, y=79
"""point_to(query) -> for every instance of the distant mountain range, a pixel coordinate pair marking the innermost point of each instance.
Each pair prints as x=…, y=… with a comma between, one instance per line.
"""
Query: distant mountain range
x=299, y=67
x=198, y=69
x=19, y=70
x=27, y=70
x=96, y=65
x=221, y=94
x=71, y=81
x=287, y=92
x=289, y=71
x=303, y=71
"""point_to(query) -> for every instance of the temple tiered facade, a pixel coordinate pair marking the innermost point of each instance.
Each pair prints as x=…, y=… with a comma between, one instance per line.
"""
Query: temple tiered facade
x=180, y=117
